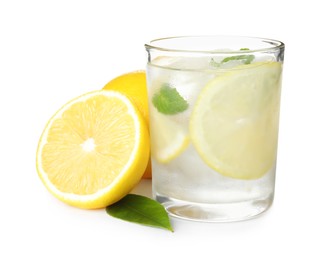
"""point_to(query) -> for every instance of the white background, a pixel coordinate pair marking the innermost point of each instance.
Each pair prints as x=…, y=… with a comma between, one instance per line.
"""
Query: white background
x=53, y=51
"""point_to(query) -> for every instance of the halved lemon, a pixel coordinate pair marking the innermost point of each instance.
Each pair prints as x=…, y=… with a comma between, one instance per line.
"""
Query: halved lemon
x=168, y=137
x=94, y=150
x=234, y=124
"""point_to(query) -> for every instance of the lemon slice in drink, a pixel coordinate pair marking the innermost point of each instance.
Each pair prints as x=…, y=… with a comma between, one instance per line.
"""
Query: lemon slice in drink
x=168, y=137
x=94, y=150
x=234, y=123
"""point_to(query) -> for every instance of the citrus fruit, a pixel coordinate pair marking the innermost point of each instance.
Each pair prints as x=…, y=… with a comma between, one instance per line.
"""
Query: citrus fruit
x=234, y=123
x=133, y=85
x=168, y=137
x=94, y=150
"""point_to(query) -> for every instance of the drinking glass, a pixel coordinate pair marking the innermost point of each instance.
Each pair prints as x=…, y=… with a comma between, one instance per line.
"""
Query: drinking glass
x=214, y=115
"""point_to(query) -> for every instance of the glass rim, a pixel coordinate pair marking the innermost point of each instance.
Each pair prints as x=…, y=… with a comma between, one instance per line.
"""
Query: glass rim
x=276, y=44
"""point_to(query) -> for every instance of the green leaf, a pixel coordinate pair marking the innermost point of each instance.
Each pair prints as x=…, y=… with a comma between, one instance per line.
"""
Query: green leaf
x=246, y=59
x=168, y=101
x=142, y=210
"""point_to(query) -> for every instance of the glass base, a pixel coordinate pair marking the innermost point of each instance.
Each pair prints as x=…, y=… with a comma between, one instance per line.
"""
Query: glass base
x=218, y=212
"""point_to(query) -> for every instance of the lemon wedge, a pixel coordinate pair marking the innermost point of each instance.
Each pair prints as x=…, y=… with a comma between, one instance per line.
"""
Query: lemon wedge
x=168, y=138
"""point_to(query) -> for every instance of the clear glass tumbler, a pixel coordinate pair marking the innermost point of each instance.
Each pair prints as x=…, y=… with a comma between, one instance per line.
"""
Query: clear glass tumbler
x=214, y=115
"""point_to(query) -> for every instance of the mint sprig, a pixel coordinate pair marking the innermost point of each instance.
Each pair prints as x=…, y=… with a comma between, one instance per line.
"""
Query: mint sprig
x=168, y=101
x=142, y=210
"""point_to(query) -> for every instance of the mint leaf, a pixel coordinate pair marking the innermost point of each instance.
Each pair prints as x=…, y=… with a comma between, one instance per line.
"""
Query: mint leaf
x=246, y=59
x=168, y=101
x=141, y=210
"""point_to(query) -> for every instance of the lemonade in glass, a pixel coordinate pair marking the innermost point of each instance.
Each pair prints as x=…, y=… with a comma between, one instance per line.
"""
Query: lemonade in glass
x=214, y=115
